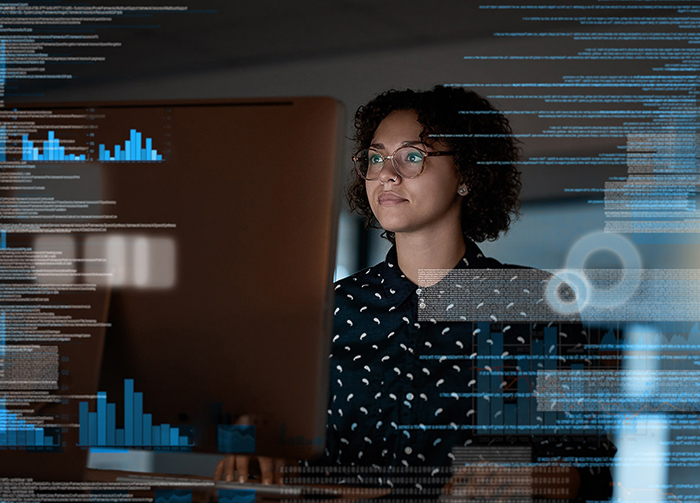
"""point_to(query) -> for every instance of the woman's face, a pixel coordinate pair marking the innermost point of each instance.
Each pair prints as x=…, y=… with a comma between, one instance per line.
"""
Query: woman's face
x=430, y=201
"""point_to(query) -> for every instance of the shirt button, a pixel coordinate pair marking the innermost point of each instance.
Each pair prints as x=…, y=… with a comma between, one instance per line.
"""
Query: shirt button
x=422, y=305
x=419, y=291
x=409, y=396
x=408, y=450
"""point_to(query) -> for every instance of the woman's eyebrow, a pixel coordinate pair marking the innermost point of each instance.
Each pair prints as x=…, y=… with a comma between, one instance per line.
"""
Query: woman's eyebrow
x=404, y=143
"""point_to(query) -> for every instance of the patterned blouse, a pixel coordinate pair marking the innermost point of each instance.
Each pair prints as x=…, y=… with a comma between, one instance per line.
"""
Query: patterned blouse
x=401, y=403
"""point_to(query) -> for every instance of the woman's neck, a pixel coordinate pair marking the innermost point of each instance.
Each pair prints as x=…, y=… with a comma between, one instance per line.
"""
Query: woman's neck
x=425, y=251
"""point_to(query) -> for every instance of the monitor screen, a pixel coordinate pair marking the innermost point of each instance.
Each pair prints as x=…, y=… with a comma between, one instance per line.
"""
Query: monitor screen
x=214, y=225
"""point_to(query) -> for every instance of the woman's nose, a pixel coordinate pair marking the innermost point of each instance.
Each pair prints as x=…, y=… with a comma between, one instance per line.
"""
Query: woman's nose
x=388, y=172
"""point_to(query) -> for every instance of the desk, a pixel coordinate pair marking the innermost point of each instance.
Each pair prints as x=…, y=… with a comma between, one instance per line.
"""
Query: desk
x=207, y=494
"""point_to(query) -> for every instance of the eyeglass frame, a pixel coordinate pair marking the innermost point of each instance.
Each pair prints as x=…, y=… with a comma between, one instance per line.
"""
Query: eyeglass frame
x=393, y=163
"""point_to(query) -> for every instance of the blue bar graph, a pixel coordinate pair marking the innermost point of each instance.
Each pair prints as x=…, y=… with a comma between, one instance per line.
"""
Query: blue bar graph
x=506, y=403
x=236, y=496
x=4, y=420
x=92, y=425
x=3, y=144
x=83, y=436
x=138, y=421
x=111, y=424
x=52, y=150
x=98, y=429
x=3, y=67
x=135, y=145
x=147, y=429
x=101, y=418
x=172, y=496
x=133, y=150
x=49, y=146
x=3, y=331
x=129, y=411
x=15, y=431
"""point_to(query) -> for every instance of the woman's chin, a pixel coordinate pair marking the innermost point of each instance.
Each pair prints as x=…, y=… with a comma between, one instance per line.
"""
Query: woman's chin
x=393, y=226
x=397, y=229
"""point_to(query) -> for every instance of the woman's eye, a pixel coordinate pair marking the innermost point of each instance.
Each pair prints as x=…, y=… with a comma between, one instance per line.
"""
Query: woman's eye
x=414, y=157
x=375, y=159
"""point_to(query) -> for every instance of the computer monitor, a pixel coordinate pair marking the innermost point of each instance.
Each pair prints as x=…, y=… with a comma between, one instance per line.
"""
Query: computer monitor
x=215, y=228
x=241, y=324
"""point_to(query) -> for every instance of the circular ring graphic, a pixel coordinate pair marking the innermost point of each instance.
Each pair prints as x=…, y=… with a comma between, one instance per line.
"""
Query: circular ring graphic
x=631, y=266
x=577, y=282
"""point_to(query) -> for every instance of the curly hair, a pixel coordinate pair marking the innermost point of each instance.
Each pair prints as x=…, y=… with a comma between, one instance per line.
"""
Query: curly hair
x=486, y=154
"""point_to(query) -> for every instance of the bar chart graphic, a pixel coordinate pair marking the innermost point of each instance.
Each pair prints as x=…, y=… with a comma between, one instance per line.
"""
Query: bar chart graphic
x=135, y=149
x=98, y=429
x=3, y=144
x=507, y=403
x=14, y=430
x=52, y=150
x=234, y=438
x=17, y=432
x=236, y=496
x=172, y=496
x=3, y=67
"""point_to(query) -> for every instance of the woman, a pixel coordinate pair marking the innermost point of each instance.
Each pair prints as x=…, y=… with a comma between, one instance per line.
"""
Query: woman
x=437, y=171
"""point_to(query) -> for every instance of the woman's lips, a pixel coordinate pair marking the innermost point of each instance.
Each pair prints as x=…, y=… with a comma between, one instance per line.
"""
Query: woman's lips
x=390, y=200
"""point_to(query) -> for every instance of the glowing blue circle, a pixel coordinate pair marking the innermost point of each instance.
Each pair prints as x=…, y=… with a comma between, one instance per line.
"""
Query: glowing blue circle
x=628, y=255
x=578, y=284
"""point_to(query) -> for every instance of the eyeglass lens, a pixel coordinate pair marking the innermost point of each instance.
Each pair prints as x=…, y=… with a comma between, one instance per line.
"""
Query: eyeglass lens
x=408, y=162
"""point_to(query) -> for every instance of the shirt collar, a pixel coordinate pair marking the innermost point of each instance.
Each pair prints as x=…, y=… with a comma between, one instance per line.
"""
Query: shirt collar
x=398, y=287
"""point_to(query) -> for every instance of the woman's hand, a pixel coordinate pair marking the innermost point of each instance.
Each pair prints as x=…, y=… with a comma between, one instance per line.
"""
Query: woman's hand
x=235, y=467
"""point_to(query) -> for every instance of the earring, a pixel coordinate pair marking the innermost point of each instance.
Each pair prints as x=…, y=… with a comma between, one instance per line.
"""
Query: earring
x=462, y=190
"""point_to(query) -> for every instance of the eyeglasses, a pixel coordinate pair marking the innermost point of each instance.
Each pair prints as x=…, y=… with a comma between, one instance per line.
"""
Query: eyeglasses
x=408, y=162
